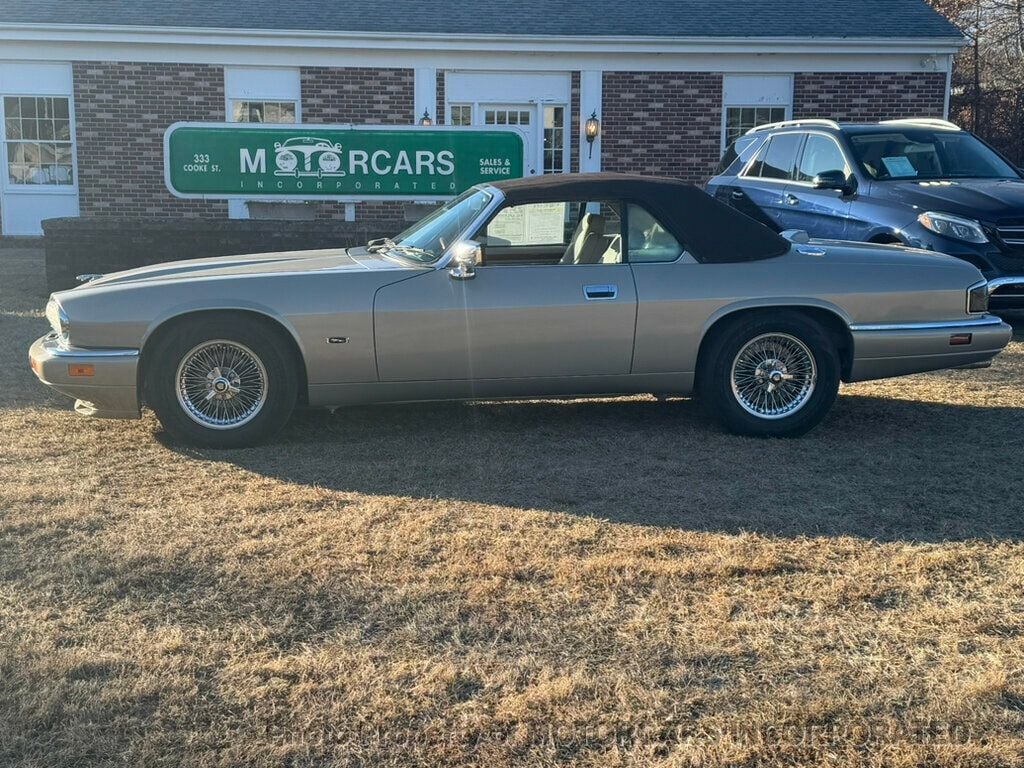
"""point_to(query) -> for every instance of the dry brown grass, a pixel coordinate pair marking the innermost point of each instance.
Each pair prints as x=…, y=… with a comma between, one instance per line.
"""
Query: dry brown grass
x=612, y=583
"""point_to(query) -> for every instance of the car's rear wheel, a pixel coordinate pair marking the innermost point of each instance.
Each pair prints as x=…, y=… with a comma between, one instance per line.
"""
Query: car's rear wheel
x=770, y=375
x=221, y=382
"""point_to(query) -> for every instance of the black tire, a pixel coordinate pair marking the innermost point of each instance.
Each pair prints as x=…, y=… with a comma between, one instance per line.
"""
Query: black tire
x=715, y=377
x=279, y=388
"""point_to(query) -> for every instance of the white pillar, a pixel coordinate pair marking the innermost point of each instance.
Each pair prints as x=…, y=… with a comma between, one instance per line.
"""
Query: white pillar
x=590, y=102
x=425, y=93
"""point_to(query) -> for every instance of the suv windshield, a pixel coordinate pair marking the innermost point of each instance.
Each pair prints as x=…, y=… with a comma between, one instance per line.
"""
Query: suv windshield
x=927, y=155
x=427, y=240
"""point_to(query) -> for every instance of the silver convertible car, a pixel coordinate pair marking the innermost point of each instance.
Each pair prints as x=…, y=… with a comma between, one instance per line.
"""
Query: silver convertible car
x=569, y=285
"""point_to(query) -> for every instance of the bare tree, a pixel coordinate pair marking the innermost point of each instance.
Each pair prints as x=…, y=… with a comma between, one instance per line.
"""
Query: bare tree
x=988, y=75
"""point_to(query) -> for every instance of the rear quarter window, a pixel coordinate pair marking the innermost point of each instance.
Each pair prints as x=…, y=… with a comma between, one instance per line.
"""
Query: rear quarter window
x=738, y=154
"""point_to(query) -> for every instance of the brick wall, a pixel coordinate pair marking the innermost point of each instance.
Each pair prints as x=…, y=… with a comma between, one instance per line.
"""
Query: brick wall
x=662, y=123
x=868, y=96
x=121, y=112
x=358, y=95
x=441, y=115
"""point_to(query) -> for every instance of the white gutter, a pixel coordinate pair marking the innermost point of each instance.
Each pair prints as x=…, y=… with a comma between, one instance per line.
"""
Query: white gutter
x=199, y=36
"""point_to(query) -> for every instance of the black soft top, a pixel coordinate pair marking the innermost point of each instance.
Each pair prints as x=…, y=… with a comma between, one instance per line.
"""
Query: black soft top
x=711, y=231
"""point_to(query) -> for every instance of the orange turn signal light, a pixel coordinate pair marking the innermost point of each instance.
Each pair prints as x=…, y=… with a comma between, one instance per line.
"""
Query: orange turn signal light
x=81, y=370
x=961, y=339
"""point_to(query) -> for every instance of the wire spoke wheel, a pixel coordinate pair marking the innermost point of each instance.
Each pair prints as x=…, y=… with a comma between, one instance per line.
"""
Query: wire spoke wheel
x=774, y=376
x=221, y=384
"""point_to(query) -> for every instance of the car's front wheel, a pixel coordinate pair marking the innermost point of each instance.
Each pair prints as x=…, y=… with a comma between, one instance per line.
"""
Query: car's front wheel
x=770, y=375
x=221, y=382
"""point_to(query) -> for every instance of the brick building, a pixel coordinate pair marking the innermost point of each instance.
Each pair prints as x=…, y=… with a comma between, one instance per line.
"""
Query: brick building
x=87, y=89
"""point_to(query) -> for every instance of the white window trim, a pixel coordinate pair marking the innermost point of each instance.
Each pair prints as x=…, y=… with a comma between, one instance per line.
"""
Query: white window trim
x=743, y=103
x=38, y=189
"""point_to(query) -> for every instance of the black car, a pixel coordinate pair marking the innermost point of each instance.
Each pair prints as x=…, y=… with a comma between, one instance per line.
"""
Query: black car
x=922, y=183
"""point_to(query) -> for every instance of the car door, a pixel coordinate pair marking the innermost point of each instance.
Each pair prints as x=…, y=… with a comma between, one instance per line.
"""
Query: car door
x=526, y=312
x=822, y=213
x=760, y=191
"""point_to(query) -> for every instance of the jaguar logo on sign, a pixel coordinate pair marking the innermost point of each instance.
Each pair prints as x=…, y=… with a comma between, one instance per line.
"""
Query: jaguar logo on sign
x=269, y=162
x=307, y=156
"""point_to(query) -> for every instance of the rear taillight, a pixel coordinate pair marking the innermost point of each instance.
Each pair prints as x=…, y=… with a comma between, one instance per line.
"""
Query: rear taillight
x=977, y=299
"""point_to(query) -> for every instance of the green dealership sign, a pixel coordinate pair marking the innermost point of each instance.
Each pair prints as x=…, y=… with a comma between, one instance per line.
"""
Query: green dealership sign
x=339, y=162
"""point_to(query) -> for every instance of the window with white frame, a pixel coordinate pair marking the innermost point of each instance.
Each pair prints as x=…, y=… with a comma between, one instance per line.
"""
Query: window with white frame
x=506, y=116
x=554, y=139
x=39, y=143
x=460, y=114
x=246, y=111
x=264, y=95
x=752, y=100
x=739, y=120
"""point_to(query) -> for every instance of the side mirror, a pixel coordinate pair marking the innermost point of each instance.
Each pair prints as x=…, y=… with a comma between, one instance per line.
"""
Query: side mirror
x=836, y=180
x=466, y=255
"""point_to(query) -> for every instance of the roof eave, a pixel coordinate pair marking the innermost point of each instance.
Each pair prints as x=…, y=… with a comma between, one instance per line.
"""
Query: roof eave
x=624, y=44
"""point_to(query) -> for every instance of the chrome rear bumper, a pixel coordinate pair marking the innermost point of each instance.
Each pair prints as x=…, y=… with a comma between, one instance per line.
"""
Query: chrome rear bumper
x=102, y=381
x=885, y=350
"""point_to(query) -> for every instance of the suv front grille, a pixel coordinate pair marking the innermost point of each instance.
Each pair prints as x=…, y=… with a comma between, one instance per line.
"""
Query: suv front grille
x=1010, y=233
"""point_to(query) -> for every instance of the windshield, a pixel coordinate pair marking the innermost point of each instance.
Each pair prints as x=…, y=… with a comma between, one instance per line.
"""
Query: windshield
x=427, y=240
x=927, y=155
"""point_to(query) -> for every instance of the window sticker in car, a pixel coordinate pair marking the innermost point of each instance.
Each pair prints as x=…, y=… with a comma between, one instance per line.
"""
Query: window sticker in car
x=535, y=224
x=899, y=166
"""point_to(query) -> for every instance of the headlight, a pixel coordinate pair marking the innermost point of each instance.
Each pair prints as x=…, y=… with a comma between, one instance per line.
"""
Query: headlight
x=58, y=318
x=958, y=228
x=977, y=298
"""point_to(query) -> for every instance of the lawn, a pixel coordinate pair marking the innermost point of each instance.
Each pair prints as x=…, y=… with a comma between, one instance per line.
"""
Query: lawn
x=592, y=583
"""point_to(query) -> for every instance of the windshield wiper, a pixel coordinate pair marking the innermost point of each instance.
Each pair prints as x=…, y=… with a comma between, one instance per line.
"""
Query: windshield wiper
x=387, y=245
x=381, y=244
x=411, y=250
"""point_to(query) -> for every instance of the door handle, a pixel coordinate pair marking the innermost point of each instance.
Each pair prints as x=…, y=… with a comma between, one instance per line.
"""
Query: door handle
x=791, y=199
x=737, y=194
x=600, y=292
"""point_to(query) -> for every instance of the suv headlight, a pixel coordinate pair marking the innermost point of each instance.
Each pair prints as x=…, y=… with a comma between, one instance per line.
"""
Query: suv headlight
x=956, y=227
x=977, y=298
x=58, y=318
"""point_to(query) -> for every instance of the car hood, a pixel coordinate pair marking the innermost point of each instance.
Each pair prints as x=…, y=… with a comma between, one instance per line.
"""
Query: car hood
x=878, y=256
x=288, y=262
x=989, y=200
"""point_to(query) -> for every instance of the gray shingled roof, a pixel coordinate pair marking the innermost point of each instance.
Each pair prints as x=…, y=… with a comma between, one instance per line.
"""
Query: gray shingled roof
x=642, y=18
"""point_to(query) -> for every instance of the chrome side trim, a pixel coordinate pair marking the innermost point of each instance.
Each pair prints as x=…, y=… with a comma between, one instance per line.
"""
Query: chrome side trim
x=977, y=322
x=56, y=349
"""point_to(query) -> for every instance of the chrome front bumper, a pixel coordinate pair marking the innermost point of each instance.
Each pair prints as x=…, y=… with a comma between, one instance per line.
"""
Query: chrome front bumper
x=886, y=350
x=103, y=382
x=1006, y=292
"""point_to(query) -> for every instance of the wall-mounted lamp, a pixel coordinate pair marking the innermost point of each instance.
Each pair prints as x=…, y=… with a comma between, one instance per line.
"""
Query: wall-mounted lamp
x=426, y=119
x=593, y=130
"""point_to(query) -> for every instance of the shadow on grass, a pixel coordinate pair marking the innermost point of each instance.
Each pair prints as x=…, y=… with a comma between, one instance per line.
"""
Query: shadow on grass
x=877, y=468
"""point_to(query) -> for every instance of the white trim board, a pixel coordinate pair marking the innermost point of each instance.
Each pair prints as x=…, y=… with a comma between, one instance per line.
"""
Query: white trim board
x=708, y=61
x=286, y=48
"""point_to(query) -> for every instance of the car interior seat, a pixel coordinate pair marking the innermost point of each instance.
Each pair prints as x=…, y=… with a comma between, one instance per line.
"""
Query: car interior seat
x=588, y=243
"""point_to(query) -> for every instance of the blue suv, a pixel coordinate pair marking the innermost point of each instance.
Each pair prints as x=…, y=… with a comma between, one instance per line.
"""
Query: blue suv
x=920, y=183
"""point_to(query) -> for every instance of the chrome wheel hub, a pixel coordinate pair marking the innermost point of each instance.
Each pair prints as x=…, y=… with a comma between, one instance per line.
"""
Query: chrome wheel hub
x=221, y=384
x=774, y=376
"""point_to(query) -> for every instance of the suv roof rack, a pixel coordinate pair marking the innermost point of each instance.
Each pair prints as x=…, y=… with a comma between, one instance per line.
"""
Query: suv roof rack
x=793, y=124
x=929, y=122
